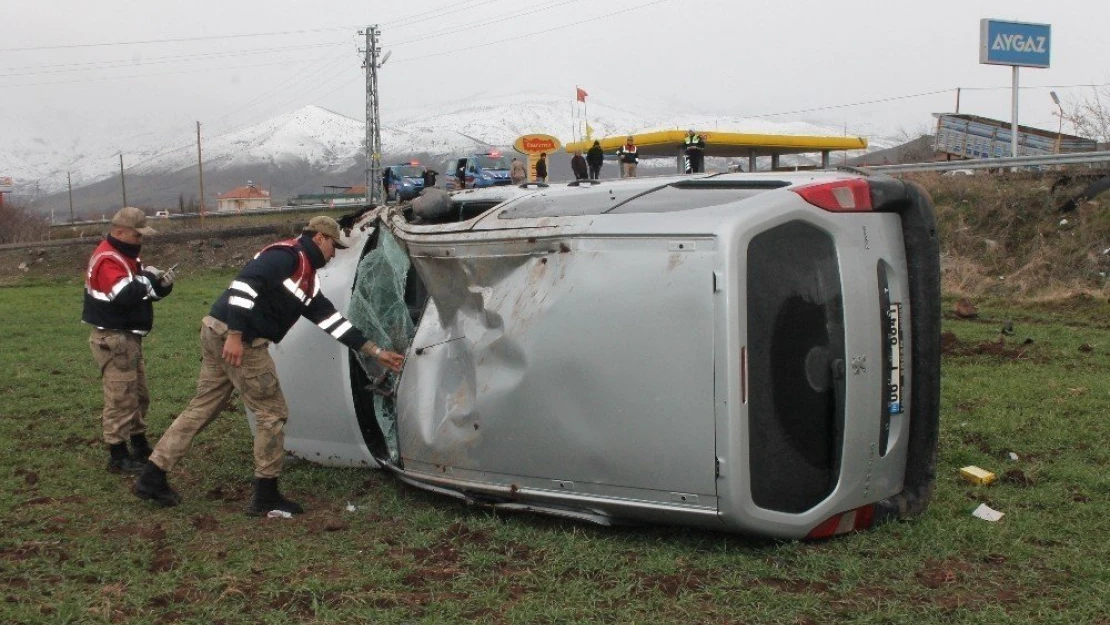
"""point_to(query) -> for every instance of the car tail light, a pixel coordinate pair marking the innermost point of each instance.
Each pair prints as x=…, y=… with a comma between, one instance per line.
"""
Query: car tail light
x=840, y=196
x=850, y=521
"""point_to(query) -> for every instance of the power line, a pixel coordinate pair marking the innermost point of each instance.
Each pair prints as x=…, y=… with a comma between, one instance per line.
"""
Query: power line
x=176, y=39
x=851, y=104
x=319, y=83
x=309, y=70
x=113, y=64
x=406, y=21
x=158, y=74
x=460, y=27
x=456, y=7
x=1022, y=88
x=532, y=34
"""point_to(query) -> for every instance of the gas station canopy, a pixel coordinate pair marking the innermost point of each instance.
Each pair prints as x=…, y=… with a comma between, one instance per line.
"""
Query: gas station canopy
x=669, y=143
x=666, y=143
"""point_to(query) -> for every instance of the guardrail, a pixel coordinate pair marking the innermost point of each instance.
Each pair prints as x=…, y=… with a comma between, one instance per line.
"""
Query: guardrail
x=1076, y=158
x=153, y=220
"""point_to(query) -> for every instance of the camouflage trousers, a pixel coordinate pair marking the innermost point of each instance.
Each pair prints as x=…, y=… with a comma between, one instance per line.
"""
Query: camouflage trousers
x=257, y=382
x=119, y=355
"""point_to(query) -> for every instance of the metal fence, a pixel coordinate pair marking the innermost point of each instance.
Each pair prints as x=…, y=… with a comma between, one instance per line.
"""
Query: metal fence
x=1010, y=162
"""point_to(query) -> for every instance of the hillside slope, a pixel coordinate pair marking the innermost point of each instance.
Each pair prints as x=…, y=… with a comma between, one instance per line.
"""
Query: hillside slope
x=1004, y=234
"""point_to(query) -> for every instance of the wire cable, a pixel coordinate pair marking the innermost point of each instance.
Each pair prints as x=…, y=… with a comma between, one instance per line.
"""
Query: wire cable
x=461, y=27
x=160, y=74
x=176, y=39
x=114, y=64
x=532, y=34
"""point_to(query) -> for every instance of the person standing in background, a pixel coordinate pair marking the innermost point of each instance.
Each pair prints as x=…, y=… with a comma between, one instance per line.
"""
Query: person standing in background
x=628, y=157
x=518, y=173
x=694, y=147
x=541, y=168
x=595, y=157
x=460, y=175
x=430, y=177
x=578, y=166
x=387, y=182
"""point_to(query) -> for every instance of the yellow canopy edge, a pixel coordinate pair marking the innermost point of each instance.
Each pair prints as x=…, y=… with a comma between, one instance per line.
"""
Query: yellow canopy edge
x=666, y=143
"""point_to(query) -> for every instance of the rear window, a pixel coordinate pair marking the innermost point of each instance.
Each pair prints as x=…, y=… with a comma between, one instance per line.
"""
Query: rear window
x=605, y=199
x=796, y=350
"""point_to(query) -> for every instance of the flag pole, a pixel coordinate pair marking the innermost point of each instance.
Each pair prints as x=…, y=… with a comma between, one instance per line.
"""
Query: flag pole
x=577, y=115
x=585, y=113
x=573, y=121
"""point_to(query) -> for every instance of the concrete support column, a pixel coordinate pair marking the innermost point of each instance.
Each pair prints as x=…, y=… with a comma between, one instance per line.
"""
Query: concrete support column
x=751, y=160
x=824, y=159
x=774, y=162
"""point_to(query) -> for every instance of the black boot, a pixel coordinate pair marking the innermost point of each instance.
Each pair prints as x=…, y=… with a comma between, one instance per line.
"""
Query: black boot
x=120, y=462
x=140, y=447
x=266, y=497
x=152, y=486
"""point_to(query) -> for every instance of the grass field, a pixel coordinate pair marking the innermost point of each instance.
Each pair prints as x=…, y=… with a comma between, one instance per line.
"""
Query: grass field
x=77, y=547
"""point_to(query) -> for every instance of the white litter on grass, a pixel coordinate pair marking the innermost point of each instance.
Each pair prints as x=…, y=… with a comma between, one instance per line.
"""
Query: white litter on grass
x=1013, y=456
x=1063, y=222
x=279, y=514
x=351, y=507
x=987, y=513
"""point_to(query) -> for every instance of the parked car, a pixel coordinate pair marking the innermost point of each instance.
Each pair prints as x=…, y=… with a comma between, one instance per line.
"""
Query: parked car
x=482, y=170
x=757, y=352
x=162, y=214
x=407, y=181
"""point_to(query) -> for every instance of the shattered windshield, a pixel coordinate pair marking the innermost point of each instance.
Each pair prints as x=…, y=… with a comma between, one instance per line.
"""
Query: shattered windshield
x=379, y=310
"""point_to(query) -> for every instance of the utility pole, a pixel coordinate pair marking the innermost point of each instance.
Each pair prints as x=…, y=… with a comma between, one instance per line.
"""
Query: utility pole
x=122, y=181
x=373, y=123
x=69, y=183
x=200, y=172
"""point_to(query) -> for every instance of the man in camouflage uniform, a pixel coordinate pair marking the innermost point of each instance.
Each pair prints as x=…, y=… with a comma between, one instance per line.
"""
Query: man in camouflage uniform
x=119, y=296
x=263, y=302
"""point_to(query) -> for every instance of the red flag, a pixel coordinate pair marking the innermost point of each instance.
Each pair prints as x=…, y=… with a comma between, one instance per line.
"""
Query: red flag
x=581, y=94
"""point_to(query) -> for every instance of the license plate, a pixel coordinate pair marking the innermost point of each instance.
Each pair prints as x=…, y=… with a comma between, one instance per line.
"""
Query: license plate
x=894, y=318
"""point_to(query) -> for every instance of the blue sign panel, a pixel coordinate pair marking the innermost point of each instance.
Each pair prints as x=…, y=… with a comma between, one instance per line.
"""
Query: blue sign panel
x=1014, y=43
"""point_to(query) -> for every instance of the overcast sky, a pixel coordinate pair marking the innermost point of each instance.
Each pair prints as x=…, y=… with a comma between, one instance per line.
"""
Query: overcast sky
x=73, y=66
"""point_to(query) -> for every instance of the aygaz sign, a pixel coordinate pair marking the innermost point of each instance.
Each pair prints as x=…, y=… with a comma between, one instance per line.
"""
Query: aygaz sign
x=1014, y=43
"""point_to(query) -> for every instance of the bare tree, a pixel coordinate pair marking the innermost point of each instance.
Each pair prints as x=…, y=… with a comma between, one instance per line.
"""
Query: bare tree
x=1089, y=116
x=21, y=225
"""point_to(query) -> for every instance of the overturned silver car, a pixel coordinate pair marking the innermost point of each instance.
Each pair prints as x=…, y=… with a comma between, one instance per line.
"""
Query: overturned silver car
x=746, y=352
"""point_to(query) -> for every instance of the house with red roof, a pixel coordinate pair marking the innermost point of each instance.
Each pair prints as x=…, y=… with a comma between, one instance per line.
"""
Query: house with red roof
x=243, y=198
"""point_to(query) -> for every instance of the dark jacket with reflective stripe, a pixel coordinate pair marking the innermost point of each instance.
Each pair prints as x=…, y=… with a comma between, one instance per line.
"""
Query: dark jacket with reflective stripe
x=119, y=292
x=268, y=296
x=694, y=144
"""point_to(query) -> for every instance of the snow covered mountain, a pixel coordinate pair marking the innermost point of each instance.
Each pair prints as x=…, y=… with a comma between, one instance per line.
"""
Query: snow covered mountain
x=312, y=146
x=321, y=138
